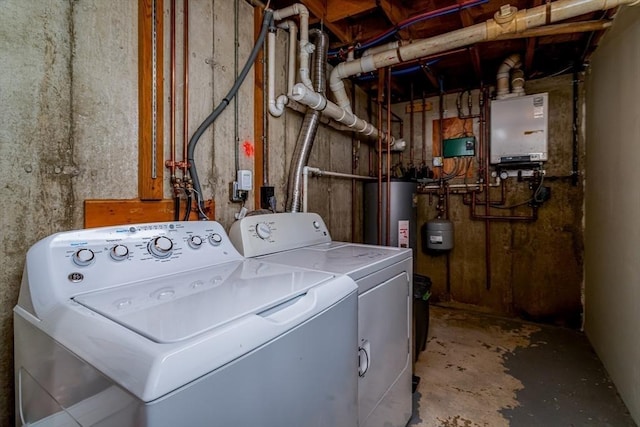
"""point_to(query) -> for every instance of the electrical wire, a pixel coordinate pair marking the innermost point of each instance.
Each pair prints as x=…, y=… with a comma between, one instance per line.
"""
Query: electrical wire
x=266, y=23
x=200, y=211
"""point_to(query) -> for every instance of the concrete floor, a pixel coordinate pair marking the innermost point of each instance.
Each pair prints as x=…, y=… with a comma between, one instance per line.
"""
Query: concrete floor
x=482, y=370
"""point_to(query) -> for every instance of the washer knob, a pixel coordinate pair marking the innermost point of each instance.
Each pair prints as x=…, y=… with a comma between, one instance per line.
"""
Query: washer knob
x=316, y=225
x=263, y=230
x=83, y=257
x=215, y=239
x=160, y=247
x=195, y=242
x=119, y=252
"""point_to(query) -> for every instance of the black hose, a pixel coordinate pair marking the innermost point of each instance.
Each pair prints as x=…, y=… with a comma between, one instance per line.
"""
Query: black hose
x=266, y=23
x=187, y=211
x=176, y=208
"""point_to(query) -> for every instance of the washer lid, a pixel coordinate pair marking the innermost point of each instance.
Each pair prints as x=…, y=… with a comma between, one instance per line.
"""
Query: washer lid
x=181, y=306
x=352, y=259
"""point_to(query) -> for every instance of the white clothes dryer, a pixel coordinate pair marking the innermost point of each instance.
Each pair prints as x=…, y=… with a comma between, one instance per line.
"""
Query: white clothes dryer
x=166, y=324
x=384, y=278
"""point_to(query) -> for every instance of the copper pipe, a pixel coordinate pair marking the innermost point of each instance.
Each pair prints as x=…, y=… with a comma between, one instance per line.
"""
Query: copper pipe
x=411, y=125
x=424, y=129
x=185, y=97
x=381, y=77
x=486, y=216
x=448, y=264
x=487, y=224
x=172, y=103
x=354, y=170
x=388, y=208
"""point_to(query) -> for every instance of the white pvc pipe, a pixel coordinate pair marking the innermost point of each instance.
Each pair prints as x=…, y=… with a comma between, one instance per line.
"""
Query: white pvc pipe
x=318, y=102
x=307, y=170
x=381, y=48
x=502, y=78
x=305, y=47
x=293, y=41
x=276, y=105
x=507, y=20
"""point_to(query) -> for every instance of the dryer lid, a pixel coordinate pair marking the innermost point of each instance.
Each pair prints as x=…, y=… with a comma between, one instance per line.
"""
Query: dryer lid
x=178, y=307
x=353, y=259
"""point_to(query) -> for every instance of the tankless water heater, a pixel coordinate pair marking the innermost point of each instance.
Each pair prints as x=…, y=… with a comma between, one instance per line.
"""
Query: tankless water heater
x=519, y=129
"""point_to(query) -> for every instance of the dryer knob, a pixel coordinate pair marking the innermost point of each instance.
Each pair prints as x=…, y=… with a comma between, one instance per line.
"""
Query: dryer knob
x=83, y=257
x=263, y=230
x=119, y=252
x=160, y=247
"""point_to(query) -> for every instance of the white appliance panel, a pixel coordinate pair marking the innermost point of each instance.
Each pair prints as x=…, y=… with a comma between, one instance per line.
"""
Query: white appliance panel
x=176, y=308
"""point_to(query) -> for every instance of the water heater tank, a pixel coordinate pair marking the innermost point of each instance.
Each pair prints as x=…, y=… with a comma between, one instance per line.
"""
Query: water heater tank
x=439, y=235
x=403, y=214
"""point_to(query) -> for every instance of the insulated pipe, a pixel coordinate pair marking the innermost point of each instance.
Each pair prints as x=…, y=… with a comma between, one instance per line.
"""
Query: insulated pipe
x=512, y=62
x=306, y=48
x=309, y=170
x=506, y=20
x=309, y=126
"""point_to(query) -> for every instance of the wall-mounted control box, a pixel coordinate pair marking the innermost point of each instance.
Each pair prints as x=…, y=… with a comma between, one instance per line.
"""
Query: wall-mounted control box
x=520, y=129
x=459, y=147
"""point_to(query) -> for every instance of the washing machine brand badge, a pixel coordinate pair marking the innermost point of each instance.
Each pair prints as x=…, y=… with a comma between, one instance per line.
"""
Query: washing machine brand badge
x=76, y=277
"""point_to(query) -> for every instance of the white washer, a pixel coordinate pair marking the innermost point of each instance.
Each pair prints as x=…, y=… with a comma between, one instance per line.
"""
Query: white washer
x=167, y=324
x=384, y=278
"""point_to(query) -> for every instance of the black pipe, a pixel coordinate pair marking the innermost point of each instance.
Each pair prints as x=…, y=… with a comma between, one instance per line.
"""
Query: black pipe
x=266, y=22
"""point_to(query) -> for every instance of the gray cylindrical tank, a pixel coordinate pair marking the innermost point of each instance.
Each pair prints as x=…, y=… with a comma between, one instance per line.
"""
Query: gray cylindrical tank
x=439, y=235
x=402, y=231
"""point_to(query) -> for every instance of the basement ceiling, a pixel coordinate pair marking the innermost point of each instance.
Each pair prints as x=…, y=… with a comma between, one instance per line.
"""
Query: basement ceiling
x=357, y=23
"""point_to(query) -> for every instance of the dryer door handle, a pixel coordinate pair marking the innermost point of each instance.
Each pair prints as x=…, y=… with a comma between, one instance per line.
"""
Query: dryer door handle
x=364, y=357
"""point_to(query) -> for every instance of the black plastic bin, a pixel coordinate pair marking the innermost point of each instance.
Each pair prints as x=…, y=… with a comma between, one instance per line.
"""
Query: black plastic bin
x=421, y=295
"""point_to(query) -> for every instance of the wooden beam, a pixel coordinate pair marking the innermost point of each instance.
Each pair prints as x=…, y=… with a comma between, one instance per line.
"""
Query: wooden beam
x=467, y=21
x=150, y=100
x=100, y=213
x=339, y=29
x=396, y=14
x=531, y=45
x=337, y=10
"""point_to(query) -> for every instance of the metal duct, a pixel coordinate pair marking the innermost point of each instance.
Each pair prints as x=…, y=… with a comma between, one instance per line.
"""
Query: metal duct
x=310, y=124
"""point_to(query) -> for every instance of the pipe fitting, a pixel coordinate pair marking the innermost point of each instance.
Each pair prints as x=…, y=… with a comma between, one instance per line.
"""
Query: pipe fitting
x=505, y=14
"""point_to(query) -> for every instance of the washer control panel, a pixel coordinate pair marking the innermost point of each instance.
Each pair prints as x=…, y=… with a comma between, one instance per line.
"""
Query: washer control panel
x=74, y=262
x=265, y=234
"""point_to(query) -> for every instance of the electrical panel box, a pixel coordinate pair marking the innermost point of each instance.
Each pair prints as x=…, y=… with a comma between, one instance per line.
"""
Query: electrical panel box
x=519, y=129
x=459, y=147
